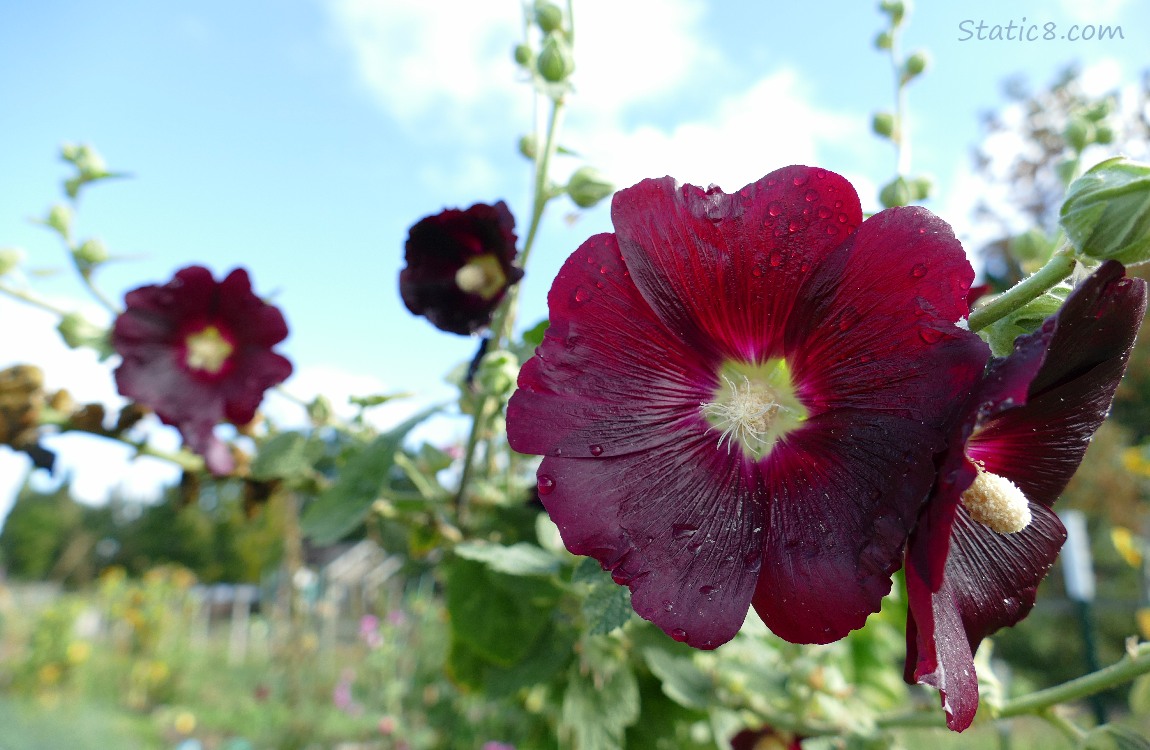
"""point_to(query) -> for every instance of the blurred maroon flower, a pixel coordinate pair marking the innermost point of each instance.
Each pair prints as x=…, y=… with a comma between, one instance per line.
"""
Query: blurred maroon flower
x=766, y=738
x=199, y=352
x=459, y=266
x=740, y=396
x=988, y=536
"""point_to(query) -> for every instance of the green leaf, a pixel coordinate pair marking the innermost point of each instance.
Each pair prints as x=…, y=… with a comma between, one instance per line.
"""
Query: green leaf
x=520, y=559
x=1115, y=737
x=588, y=571
x=534, y=336
x=1140, y=696
x=683, y=682
x=551, y=653
x=599, y=703
x=607, y=607
x=361, y=480
x=289, y=455
x=497, y=616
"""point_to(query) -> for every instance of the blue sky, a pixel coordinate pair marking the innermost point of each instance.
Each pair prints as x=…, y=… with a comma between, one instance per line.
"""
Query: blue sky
x=301, y=140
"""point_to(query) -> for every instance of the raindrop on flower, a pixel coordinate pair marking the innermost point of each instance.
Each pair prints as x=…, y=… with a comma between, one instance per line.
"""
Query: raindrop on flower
x=930, y=335
x=679, y=634
x=918, y=271
x=683, y=530
x=775, y=208
x=811, y=196
x=777, y=258
x=545, y=485
x=596, y=450
x=582, y=295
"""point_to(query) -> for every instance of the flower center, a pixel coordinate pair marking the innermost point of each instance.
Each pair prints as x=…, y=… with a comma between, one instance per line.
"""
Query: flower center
x=997, y=503
x=754, y=406
x=207, y=350
x=482, y=276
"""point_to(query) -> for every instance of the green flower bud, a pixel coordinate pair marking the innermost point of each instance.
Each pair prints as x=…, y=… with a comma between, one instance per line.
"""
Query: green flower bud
x=548, y=16
x=77, y=332
x=1106, y=213
x=529, y=146
x=60, y=219
x=883, y=124
x=1099, y=110
x=523, y=55
x=91, y=253
x=914, y=66
x=1103, y=134
x=555, y=61
x=895, y=193
x=896, y=9
x=1078, y=133
x=920, y=188
x=10, y=258
x=588, y=186
x=497, y=373
x=320, y=411
x=884, y=40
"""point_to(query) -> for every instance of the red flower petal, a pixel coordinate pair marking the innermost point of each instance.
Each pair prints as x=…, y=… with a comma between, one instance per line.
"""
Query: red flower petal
x=990, y=581
x=843, y=492
x=875, y=329
x=725, y=270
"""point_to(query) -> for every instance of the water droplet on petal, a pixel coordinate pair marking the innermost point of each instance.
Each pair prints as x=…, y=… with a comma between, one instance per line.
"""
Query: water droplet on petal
x=603, y=270
x=777, y=258
x=821, y=174
x=811, y=196
x=774, y=208
x=707, y=590
x=596, y=450
x=545, y=484
x=918, y=271
x=667, y=606
x=842, y=218
x=780, y=230
x=753, y=561
x=800, y=179
x=582, y=295
x=679, y=634
x=757, y=271
x=793, y=226
x=824, y=212
x=865, y=358
x=806, y=266
x=838, y=204
x=930, y=335
x=831, y=229
x=683, y=530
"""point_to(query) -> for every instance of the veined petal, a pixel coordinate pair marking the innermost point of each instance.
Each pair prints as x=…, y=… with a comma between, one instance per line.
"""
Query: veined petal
x=680, y=524
x=727, y=269
x=990, y=583
x=843, y=491
x=609, y=377
x=875, y=329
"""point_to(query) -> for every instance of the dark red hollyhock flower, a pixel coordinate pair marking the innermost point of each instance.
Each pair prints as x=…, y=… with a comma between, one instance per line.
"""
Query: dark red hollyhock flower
x=1019, y=439
x=739, y=398
x=199, y=352
x=459, y=266
x=767, y=738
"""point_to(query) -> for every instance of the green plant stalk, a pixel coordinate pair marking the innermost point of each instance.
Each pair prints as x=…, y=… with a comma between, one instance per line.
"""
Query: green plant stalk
x=505, y=316
x=1134, y=664
x=1038, y=283
x=902, y=128
x=29, y=298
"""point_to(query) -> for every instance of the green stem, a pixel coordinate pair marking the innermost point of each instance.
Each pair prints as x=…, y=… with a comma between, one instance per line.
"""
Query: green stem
x=1056, y=269
x=505, y=317
x=1073, y=732
x=32, y=299
x=902, y=126
x=1134, y=664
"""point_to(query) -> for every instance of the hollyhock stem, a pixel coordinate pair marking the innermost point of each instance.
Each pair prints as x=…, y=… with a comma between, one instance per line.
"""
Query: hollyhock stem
x=505, y=317
x=1056, y=269
x=1134, y=664
x=33, y=300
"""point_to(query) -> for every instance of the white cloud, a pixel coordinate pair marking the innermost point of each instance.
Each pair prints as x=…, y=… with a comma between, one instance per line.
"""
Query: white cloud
x=752, y=132
x=1102, y=77
x=416, y=58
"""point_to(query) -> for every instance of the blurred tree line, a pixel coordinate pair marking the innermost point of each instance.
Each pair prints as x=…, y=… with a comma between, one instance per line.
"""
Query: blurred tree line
x=215, y=531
